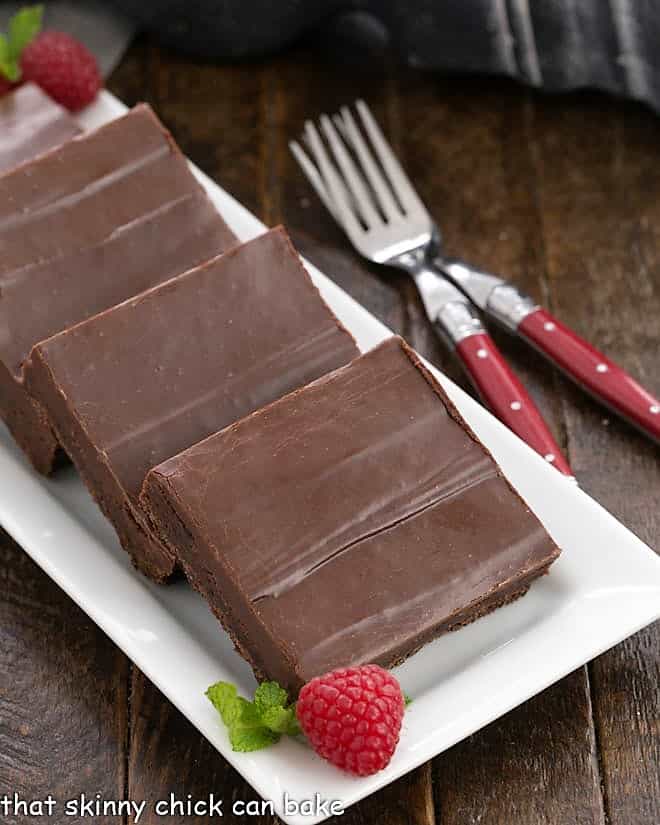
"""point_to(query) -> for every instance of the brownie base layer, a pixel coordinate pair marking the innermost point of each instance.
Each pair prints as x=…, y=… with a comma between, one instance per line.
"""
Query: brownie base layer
x=250, y=636
x=28, y=423
x=146, y=552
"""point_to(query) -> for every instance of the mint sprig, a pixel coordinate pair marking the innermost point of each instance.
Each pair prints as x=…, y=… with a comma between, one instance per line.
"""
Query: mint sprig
x=257, y=724
x=24, y=26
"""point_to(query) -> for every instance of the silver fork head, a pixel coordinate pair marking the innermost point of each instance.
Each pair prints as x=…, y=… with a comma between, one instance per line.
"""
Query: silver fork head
x=365, y=189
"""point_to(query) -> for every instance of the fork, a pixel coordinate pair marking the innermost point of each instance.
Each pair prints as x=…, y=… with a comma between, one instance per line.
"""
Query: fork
x=496, y=298
x=371, y=198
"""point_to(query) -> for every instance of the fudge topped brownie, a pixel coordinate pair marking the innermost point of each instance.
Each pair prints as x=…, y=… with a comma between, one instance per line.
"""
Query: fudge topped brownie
x=140, y=382
x=83, y=227
x=349, y=522
x=30, y=124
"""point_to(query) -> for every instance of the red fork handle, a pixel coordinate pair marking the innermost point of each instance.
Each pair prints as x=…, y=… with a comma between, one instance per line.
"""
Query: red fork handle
x=507, y=398
x=593, y=371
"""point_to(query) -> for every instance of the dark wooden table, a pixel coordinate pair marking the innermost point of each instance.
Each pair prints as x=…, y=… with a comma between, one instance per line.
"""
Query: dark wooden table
x=561, y=194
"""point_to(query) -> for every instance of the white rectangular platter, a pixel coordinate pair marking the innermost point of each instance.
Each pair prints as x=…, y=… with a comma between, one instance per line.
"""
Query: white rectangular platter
x=605, y=586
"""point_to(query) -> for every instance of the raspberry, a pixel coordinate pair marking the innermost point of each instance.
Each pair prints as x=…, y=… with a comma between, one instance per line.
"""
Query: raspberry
x=63, y=67
x=352, y=717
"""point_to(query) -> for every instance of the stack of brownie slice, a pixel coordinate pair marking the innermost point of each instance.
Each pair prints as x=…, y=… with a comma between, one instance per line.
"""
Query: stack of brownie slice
x=333, y=508
x=140, y=382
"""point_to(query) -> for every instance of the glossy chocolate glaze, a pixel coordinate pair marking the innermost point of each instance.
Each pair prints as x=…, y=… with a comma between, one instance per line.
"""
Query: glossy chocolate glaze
x=140, y=382
x=349, y=522
x=84, y=227
x=30, y=124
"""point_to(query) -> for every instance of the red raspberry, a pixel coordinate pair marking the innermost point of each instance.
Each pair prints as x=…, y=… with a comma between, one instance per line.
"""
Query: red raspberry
x=63, y=67
x=352, y=717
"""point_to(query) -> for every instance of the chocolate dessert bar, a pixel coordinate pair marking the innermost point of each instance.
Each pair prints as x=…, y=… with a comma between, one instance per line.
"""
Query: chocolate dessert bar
x=31, y=123
x=83, y=227
x=350, y=522
x=142, y=381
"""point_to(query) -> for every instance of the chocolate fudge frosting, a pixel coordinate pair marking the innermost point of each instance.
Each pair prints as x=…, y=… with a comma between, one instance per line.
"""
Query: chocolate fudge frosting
x=30, y=124
x=142, y=381
x=82, y=228
x=350, y=522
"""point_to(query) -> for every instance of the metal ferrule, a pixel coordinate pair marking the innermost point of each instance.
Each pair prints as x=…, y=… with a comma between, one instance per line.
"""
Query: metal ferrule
x=452, y=314
x=475, y=283
x=509, y=306
x=458, y=320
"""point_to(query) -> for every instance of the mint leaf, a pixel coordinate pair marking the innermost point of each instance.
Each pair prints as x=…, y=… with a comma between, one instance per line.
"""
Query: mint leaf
x=281, y=720
x=225, y=700
x=248, y=733
x=24, y=26
x=257, y=724
x=272, y=703
x=8, y=67
x=269, y=695
x=245, y=740
x=246, y=730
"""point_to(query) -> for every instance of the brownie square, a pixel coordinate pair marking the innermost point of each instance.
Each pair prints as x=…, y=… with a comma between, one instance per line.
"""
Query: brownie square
x=348, y=523
x=30, y=124
x=143, y=381
x=82, y=228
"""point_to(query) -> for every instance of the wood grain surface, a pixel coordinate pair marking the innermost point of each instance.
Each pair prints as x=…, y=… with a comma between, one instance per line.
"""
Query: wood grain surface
x=560, y=194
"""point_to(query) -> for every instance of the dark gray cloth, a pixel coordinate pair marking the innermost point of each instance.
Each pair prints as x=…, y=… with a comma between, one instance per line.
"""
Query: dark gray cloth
x=553, y=44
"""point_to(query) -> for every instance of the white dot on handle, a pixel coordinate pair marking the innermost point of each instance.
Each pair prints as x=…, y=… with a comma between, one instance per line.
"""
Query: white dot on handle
x=482, y=353
x=550, y=457
x=516, y=405
x=548, y=326
x=655, y=409
x=601, y=368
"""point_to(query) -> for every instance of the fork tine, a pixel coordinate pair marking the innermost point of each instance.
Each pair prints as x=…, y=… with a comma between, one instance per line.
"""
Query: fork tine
x=390, y=208
x=342, y=128
x=336, y=190
x=398, y=178
x=351, y=174
x=313, y=177
x=325, y=197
